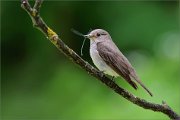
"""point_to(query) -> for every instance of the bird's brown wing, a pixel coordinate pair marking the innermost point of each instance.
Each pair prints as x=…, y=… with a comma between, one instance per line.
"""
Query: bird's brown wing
x=119, y=63
x=116, y=61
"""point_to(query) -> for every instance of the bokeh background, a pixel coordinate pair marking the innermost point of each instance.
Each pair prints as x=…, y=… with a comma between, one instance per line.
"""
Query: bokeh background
x=39, y=82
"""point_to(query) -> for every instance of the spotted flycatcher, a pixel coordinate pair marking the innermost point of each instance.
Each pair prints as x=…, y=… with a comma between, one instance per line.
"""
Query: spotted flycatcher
x=108, y=58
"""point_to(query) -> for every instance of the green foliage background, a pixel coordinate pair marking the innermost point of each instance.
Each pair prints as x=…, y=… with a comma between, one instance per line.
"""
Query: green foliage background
x=39, y=82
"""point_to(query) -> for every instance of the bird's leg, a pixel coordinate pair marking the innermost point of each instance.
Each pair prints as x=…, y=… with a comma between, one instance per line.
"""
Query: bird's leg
x=101, y=73
x=113, y=78
x=86, y=64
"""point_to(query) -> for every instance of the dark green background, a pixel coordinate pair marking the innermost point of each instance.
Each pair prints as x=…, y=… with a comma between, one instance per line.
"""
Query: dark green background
x=39, y=82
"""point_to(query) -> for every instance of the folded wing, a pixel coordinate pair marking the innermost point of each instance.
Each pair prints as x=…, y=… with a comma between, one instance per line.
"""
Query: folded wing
x=118, y=62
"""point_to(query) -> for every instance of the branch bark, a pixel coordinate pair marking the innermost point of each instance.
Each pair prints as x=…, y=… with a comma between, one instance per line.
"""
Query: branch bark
x=53, y=37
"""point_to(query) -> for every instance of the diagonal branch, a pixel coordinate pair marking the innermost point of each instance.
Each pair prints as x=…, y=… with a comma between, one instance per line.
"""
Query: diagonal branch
x=53, y=37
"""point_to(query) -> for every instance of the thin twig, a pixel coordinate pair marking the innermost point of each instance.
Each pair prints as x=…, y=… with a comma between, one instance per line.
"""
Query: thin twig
x=53, y=37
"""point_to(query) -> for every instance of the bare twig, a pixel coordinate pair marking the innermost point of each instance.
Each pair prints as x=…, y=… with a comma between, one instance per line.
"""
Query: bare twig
x=53, y=37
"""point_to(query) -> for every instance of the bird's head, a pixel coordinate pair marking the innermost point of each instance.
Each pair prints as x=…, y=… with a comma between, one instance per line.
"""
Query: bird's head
x=98, y=35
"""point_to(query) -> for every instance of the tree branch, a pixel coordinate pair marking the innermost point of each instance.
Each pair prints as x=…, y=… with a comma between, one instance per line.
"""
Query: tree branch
x=53, y=37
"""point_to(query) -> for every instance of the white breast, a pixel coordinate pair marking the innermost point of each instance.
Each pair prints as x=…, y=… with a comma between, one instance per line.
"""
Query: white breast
x=98, y=61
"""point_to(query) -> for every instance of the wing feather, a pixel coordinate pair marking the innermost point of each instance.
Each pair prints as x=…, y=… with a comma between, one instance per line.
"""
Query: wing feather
x=116, y=61
x=119, y=63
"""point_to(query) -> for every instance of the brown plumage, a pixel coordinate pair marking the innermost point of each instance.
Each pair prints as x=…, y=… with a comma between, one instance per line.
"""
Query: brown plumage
x=108, y=58
x=117, y=61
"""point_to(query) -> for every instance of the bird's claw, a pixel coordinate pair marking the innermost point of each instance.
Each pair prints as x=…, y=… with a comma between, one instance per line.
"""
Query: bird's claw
x=113, y=78
x=101, y=73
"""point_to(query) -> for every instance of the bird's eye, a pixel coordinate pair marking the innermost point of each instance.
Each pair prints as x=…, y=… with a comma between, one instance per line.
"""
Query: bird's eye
x=98, y=34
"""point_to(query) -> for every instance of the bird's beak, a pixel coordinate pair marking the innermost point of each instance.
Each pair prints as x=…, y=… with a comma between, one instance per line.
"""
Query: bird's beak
x=89, y=36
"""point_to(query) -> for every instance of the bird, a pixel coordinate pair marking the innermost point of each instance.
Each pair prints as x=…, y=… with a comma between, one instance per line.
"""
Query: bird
x=107, y=57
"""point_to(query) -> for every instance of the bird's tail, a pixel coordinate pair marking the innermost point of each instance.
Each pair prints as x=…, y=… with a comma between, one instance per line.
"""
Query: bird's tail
x=140, y=82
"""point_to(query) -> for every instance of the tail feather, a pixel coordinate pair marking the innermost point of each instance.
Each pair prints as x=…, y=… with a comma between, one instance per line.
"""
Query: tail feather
x=132, y=83
x=139, y=81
